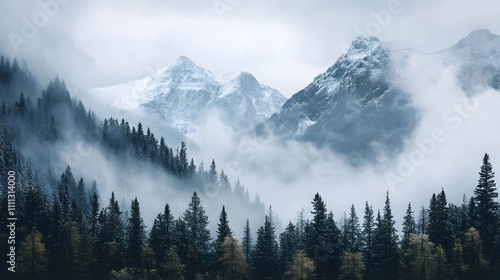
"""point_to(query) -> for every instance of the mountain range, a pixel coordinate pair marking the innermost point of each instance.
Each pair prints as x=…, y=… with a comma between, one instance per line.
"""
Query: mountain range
x=358, y=107
x=184, y=95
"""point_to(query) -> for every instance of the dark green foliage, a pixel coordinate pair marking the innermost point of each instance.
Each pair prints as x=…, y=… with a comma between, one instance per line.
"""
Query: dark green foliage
x=135, y=236
x=246, y=242
x=386, y=251
x=161, y=236
x=368, y=236
x=198, y=238
x=287, y=247
x=223, y=231
x=439, y=229
x=352, y=233
x=409, y=228
x=486, y=208
x=323, y=241
x=265, y=254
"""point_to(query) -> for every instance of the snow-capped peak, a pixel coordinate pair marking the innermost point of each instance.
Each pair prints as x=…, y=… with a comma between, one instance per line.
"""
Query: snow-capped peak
x=183, y=93
x=479, y=43
x=364, y=42
x=364, y=46
x=480, y=35
x=183, y=63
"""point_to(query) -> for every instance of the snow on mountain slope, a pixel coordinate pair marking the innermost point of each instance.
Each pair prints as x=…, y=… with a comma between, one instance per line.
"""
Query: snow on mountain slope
x=353, y=108
x=243, y=101
x=478, y=59
x=359, y=107
x=183, y=95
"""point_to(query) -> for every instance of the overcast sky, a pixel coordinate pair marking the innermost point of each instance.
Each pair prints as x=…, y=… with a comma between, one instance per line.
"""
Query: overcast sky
x=284, y=44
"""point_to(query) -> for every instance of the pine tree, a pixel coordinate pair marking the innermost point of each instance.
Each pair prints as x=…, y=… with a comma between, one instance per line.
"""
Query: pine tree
x=420, y=257
x=487, y=215
x=224, y=183
x=67, y=191
x=287, y=246
x=385, y=244
x=368, y=234
x=161, y=237
x=352, y=266
x=114, y=223
x=423, y=221
x=110, y=238
x=183, y=166
x=223, y=231
x=35, y=207
x=333, y=259
x=173, y=267
x=198, y=238
x=232, y=261
x=135, y=236
x=300, y=228
x=473, y=255
x=352, y=232
x=317, y=246
x=409, y=229
x=32, y=262
x=54, y=245
x=265, y=254
x=439, y=228
x=247, y=241
x=212, y=173
x=81, y=198
x=440, y=265
x=70, y=246
x=472, y=212
x=302, y=268
x=458, y=267
x=93, y=217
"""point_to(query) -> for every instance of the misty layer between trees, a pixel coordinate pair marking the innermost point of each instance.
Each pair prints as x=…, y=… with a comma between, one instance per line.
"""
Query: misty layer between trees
x=69, y=229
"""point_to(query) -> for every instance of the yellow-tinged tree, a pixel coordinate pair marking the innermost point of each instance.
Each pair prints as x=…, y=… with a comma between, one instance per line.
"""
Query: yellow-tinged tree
x=232, y=260
x=352, y=266
x=472, y=253
x=32, y=258
x=420, y=256
x=302, y=268
x=439, y=265
x=173, y=268
x=458, y=266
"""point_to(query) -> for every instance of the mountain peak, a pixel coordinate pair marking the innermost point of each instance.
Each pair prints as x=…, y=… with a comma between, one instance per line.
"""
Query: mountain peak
x=481, y=34
x=364, y=42
x=478, y=41
x=183, y=62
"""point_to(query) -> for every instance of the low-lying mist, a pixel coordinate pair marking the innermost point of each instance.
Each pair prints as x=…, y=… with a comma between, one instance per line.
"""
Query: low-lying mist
x=445, y=151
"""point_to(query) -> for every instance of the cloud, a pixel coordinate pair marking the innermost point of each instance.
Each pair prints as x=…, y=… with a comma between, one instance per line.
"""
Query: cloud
x=284, y=44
